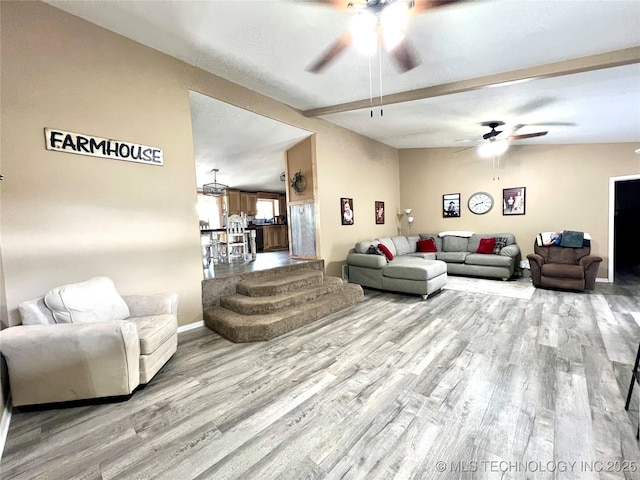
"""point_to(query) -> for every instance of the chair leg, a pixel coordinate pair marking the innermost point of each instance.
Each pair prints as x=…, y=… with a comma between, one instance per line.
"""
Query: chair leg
x=634, y=378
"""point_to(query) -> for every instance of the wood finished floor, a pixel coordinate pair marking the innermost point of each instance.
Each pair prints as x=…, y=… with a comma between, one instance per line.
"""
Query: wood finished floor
x=263, y=261
x=386, y=389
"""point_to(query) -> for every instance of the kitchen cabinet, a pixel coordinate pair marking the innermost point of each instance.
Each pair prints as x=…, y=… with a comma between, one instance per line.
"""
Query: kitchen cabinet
x=276, y=237
x=235, y=206
x=249, y=203
x=282, y=200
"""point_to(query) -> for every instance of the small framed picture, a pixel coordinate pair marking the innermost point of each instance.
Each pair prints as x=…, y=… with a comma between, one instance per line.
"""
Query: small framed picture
x=451, y=205
x=346, y=210
x=513, y=201
x=379, y=213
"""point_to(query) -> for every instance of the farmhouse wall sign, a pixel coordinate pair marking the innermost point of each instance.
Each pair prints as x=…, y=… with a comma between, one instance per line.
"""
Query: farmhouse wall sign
x=81, y=144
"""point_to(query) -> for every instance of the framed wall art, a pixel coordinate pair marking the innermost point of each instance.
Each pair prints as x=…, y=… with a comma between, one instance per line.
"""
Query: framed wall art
x=346, y=211
x=451, y=205
x=379, y=213
x=513, y=201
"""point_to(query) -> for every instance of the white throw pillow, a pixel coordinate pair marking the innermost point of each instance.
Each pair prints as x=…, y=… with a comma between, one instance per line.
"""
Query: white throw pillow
x=95, y=300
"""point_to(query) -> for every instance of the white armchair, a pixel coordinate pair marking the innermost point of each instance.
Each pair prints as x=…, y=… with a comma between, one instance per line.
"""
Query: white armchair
x=85, y=341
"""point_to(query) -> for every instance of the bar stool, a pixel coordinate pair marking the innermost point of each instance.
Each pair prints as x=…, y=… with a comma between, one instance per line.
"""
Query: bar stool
x=236, y=245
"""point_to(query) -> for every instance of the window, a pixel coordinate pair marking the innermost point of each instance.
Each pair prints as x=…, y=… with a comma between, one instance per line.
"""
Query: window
x=265, y=209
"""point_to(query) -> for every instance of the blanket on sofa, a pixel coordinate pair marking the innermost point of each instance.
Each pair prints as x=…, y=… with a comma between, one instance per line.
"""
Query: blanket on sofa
x=565, y=238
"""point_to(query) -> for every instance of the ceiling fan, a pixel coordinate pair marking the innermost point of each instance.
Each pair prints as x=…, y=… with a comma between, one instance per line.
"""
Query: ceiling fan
x=492, y=145
x=494, y=133
x=377, y=21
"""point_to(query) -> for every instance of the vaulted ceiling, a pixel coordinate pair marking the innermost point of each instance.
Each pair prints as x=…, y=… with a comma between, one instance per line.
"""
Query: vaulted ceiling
x=567, y=67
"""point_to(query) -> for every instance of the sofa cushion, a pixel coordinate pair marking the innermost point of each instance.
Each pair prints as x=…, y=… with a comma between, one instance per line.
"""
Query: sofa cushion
x=154, y=330
x=387, y=242
x=95, y=300
x=501, y=242
x=413, y=243
x=474, y=240
x=35, y=312
x=386, y=251
x=488, y=260
x=415, y=271
x=486, y=245
x=452, y=257
x=435, y=236
x=427, y=245
x=402, y=245
x=424, y=255
x=562, y=270
x=455, y=244
x=363, y=247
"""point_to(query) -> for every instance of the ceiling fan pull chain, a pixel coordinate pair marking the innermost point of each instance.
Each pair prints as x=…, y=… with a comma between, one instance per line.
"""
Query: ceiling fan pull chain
x=380, y=70
x=370, y=89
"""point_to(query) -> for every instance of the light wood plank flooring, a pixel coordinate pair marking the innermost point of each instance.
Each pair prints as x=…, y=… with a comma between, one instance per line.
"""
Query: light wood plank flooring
x=263, y=261
x=460, y=386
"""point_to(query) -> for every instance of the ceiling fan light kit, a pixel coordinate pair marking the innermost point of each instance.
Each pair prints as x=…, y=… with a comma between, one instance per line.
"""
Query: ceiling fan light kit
x=492, y=148
x=378, y=21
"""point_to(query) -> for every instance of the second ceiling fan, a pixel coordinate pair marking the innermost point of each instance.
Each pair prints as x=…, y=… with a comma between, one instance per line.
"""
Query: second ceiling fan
x=377, y=21
x=492, y=145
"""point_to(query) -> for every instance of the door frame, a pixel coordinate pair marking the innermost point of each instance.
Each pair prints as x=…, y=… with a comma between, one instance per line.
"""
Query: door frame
x=612, y=214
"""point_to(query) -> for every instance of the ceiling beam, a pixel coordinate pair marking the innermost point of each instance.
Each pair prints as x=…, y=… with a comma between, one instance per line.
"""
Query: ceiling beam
x=589, y=63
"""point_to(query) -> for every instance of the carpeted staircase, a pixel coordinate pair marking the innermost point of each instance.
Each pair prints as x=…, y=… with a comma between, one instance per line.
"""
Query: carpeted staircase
x=269, y=306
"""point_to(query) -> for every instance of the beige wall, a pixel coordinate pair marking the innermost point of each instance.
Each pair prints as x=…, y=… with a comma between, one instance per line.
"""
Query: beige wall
x=366, y=171
x=567, y=187
x=68, y=217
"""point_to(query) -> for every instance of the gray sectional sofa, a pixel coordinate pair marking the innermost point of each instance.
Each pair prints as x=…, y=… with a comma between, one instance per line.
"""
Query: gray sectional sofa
x=412, y=271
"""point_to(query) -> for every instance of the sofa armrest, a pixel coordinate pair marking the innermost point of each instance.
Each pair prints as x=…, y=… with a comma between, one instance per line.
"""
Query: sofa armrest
x=71, y=361
x=366, y=260
x=512, y=250
x=147, y=305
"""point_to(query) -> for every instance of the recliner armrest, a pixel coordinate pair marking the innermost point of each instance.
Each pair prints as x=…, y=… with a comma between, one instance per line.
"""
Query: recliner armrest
x=147, y=305
x=71, y=361
x=535, y=258
x=586, y=261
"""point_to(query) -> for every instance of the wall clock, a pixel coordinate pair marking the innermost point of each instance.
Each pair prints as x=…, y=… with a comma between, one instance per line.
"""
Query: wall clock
x=480, y=203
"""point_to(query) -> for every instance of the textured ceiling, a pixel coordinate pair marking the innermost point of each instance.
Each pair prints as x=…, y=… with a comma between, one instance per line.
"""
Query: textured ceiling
x=267, y=46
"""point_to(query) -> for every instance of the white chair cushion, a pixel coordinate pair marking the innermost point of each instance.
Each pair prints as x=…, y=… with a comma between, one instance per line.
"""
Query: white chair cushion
x=95, y=300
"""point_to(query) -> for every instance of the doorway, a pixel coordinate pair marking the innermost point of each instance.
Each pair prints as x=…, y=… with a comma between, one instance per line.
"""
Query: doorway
x=624, y=211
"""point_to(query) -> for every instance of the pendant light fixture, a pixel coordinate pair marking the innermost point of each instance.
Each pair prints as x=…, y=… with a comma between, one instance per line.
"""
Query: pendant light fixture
x=215, y=189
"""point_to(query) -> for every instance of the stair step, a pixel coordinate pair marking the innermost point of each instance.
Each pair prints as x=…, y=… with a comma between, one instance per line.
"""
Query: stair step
x=267, y=304
x=241, y=328
x=279, y=284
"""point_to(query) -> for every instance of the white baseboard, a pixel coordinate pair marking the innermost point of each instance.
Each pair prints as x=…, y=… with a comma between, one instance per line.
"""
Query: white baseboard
x=190, y=326
x=4, y=424
x=602, y=280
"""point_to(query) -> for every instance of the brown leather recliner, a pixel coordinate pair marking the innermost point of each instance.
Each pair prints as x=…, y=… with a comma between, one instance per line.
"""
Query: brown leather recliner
x=563, y=267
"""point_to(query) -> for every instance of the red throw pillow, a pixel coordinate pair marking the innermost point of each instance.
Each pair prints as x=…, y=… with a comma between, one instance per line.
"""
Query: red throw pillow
x=486, y=245
x=428, y=245
x=386, y=251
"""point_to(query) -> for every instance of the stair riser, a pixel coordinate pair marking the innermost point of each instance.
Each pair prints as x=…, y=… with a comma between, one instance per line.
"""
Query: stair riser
x=277, y=304
x=286, y=285
x=332, y=303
